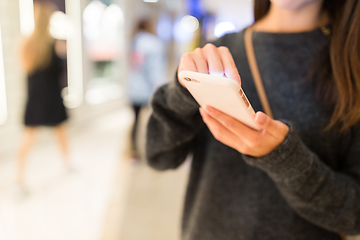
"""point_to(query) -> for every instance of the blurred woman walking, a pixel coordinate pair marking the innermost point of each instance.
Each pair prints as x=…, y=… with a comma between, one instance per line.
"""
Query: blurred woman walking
x=44, y=69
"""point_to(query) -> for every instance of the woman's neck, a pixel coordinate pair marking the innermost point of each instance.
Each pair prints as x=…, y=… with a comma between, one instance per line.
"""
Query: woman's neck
x=299, y=20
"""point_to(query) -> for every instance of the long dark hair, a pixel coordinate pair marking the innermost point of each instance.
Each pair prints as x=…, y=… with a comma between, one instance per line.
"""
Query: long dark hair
x=336, y=75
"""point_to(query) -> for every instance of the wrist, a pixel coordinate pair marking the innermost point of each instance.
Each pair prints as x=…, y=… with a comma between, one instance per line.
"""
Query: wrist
x=284, y=162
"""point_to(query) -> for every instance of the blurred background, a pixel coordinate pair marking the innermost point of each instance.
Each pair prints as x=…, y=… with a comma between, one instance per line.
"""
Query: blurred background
x=107, y=191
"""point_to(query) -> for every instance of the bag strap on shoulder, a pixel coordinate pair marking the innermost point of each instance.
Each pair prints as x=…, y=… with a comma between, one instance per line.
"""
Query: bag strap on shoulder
x=255, y=71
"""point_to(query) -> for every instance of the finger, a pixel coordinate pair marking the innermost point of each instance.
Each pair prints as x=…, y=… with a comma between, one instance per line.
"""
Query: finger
x=238, y=128
x=220, y=132
x=200, y=61
x=229, y=64
x=186, y=63
x=213, y=58
x=276, y=128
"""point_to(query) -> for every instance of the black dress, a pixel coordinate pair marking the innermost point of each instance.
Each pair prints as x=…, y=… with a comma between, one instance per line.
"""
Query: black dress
x=44, y=103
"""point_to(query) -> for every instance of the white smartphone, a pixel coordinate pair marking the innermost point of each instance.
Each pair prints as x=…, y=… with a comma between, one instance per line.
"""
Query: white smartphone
x=221, y=93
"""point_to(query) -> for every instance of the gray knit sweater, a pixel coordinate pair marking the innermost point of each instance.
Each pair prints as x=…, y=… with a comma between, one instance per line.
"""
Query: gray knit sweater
x=308, y=188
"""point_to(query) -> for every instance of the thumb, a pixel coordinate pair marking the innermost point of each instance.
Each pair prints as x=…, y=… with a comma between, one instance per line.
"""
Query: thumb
x=276, y=128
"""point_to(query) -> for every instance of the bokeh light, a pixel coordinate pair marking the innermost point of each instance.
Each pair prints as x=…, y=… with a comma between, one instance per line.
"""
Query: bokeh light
x=223, y=28
x=189, y=23
x=60, y=26
x=92, y=17
x=180, y=34
x=114, y=15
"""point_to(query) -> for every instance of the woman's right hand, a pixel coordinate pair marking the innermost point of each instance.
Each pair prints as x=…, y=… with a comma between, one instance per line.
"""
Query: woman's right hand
x=210, y=60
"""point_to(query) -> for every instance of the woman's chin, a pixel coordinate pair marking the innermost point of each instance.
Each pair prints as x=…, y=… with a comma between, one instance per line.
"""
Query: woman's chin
x=293, y=5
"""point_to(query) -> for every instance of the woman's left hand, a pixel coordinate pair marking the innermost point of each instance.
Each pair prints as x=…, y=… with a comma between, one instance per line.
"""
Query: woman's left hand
x=242, y=138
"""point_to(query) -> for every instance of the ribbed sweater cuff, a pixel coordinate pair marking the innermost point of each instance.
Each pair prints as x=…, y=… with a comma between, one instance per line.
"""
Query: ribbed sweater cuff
x=287, y=162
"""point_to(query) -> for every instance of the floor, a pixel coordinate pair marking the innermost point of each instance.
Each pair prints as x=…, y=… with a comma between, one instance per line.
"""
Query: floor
x=152, y=207
x=154, y=204
x=106, y=197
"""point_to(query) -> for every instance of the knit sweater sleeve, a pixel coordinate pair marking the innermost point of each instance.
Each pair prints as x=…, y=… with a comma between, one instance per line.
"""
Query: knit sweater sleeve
x=327, y=198
x=172, y=126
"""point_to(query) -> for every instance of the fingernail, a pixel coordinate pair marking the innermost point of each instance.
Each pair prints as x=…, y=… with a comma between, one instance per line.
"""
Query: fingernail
x=227, y=74
x=260, y=117
x=208, y=109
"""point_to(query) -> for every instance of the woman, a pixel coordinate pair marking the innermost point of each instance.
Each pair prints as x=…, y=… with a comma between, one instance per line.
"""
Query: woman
x=148, y=59
x=44, y=70
x=299, y=178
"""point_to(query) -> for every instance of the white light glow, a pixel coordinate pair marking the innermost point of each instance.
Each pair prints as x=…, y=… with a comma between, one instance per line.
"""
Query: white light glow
x=74, y=96
x=114, y=15
x=92, y=20
x=223, y=28
x=27, y=21
x=60, y=26
x=3, y=103
x=150, y=0
x=180, y=34
x=103, y=30
x=189, y=23
x=93, y=12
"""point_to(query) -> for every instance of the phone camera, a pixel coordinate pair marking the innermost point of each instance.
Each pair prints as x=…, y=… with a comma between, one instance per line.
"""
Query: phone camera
x=188, y=79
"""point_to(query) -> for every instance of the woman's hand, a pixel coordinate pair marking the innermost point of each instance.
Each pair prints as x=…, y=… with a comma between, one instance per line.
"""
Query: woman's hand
x=210, y=60
x=242, y=138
